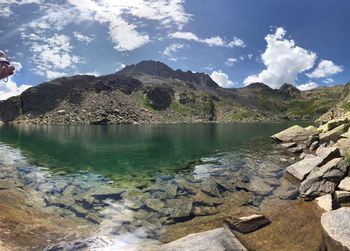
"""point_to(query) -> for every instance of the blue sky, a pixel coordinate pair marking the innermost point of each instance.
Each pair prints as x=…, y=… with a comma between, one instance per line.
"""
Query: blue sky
x=305, y=43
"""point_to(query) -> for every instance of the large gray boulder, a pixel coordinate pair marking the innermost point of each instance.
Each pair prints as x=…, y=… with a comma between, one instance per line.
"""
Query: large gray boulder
x=294, y=133
x=220, y=239
x=301, y=169
x=323, y=180
x=336, y=225
x=334, y=134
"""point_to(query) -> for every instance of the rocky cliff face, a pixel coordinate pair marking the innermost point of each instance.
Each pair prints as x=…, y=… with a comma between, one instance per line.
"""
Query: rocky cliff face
x=151, y=92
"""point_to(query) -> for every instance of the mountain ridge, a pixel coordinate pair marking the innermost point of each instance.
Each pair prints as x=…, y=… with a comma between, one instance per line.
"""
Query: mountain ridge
x=152, y=92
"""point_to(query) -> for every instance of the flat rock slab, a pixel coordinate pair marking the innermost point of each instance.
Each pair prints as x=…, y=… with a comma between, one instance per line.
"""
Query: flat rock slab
x=336, y=225
x=303, y=167
x=219, y=239
x=247, y=224
x=345, y=184
x=294, y=133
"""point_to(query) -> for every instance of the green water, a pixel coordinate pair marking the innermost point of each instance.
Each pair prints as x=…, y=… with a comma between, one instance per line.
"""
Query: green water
x=134, y=150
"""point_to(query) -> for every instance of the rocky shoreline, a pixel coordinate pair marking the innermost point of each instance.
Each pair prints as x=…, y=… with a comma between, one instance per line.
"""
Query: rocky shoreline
x=323, y=172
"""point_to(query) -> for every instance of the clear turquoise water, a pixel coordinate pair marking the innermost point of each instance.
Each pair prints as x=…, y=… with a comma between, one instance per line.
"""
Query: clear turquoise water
x=135, y=150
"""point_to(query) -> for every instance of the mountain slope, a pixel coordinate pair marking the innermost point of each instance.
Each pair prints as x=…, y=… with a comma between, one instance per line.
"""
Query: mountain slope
x=152, y=92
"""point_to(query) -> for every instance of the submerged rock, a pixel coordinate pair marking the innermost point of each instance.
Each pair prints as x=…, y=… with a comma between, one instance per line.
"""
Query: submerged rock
x=179, y=208
x=336, y=225
x=219, y=239
x=324, y=180
x=247, y=224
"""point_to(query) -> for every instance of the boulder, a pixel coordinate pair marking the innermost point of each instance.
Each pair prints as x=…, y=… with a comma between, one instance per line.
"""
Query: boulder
x=345, y=184
x=344, y=146
x=303, y=167
x=294, y=133
x=312, y=139
x=333, y=134
x=330, y=125
x=179, y=208
x=323, y=180
x=219, y=239
x=325, y=202
x=327, y=153
x=336, y=225
x=343, y=197
x=246, y=224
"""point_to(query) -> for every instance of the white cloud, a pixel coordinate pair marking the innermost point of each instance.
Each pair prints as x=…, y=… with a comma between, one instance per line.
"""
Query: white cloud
x=237, y=42
x=170, y=50
x=222, y=79
x=83, y=38
x=308, y=86
x=212, y=41
x=324, y=69
x=283, y=59
x=328, y=81
x=124, y=33
x=230, y=61
x=10, y=88
x=52, y=57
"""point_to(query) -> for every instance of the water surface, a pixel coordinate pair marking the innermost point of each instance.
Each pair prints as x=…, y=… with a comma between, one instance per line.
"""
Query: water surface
x=115, y=151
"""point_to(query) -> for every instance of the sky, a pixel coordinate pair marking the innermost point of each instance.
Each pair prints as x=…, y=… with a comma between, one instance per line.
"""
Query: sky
x=236, y=42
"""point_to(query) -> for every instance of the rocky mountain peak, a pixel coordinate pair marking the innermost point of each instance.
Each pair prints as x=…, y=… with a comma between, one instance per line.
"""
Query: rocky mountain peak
x=258, y=86
x=159, y=69
x=289, y=90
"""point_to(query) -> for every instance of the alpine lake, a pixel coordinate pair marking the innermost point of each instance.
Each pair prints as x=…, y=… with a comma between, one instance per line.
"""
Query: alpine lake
x=127, y=185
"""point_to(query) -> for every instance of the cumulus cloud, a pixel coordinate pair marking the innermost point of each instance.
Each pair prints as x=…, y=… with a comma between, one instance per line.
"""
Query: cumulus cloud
x=307, y=86
x=324, y=69
x=170, y=51
x=283, y=59
x=222, y=79
x=125, y=33
x=53, y=56
x=230, y=61
x=212, y=41
x=10, y=88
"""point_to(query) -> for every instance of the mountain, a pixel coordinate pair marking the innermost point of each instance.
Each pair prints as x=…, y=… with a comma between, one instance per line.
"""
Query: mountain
x=152, y=92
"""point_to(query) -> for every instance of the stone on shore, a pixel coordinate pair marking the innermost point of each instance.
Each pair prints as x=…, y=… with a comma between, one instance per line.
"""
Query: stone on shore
x=334, y=133
x=303, y=167
x=330, y=125
x=325, y=202
x=246, y=224
x=324, y=180
x=344, y=145
x=345, y=184
x=289, y=145
x=336, y=225
x=219, y=239
x=294, y=133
